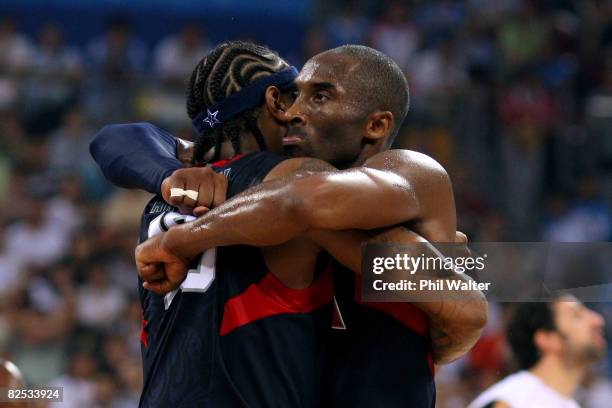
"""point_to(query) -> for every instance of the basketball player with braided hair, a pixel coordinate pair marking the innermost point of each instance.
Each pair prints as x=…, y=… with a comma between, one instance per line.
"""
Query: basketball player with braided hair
x=229, y=68
x=409, y=350
x=233, y=334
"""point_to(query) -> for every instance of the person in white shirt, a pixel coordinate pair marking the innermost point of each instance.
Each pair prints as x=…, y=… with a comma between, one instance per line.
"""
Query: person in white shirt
x=555, y=344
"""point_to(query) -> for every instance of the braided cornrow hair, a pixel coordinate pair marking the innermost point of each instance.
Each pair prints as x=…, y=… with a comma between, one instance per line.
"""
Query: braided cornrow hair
x=226, y=69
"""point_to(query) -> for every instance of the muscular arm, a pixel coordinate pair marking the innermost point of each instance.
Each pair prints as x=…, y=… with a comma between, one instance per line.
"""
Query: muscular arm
x=403, y=185
x=390, y=189
x=137, y=155
x=280, y=209
x=456, y=321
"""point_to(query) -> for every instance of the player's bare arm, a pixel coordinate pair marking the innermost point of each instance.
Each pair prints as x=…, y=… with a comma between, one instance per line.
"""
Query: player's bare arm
x=428, y=190
x=456, y=322
x=279, y=210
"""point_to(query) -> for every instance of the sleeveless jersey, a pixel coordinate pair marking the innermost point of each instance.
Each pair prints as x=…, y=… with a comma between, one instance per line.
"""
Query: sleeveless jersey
x=380, y=355
x=233, y=335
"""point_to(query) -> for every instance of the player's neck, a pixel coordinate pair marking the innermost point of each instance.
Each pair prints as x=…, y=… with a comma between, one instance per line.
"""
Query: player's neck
x=248, y=144
x=558, y=375
x=228, y=152
x=364, y=155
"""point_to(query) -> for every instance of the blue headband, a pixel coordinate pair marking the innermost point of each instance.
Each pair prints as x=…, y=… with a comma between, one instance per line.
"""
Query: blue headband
x=247, y=98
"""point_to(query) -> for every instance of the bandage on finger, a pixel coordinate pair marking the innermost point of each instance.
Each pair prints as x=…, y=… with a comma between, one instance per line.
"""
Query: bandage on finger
x=179, y=192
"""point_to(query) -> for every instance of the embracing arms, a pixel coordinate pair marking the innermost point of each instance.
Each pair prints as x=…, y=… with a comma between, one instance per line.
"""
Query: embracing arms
x=456, y=319
x=317, y=197
x=392, y=187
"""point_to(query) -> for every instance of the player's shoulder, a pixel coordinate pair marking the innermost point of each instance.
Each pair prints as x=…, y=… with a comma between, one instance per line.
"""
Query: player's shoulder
x=512, y=390
x=302, y=166
x=404, y=158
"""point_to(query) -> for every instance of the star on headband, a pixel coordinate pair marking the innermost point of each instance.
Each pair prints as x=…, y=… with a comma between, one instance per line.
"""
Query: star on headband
x=211, y=119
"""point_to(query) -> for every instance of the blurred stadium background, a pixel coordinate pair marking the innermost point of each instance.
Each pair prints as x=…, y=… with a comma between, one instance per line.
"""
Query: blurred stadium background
x=513, y=97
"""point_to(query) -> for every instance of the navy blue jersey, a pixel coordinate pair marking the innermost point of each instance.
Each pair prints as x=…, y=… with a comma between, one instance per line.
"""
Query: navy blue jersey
x=380, y=352
x=233, y=335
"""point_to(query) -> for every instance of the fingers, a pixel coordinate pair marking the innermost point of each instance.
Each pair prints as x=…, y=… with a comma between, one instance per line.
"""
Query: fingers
x=174, y=181
x=150, y=272
x=461, y=238
x=208, y=188
x=143, y=253
x=161, y=286
x=200, y=211
x=220, y=193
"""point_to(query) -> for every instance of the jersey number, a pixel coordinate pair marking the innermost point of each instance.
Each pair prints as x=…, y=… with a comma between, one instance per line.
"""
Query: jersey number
x=197, y=280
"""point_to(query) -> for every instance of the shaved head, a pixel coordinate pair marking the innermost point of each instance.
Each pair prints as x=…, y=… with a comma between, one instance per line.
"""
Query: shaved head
x=378, y=82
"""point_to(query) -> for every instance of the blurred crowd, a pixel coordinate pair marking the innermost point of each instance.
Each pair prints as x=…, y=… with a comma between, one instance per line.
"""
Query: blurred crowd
x=513, y=97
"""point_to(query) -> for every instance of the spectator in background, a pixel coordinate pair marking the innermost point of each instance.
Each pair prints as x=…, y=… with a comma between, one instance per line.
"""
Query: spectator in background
x=528, y=113
x=584, y=219
x=99, y=304
x=11, y=269
x=12, y=136
x=38, y=177
x=477, y=47
x=54, y=58
x=15, y=60
x=11, y=144
x=438, y=71
x=395, y=35
x=436, y=18
x=117, y=55
x=122, y=211
x=523, y=36
x=105, y=392
x=16, y=51
x=598, y=118
x=69, y=145
x=34, y=240
x=65, y=208
x=490, y=13
x=78, y=382
x=346, y=27
x=176, y=55
x=55, y=77
x=116, y=60
x=42, y=322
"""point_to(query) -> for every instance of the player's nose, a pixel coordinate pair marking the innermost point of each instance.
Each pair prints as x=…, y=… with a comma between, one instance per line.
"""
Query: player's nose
x=596, y=319
x=294, y=116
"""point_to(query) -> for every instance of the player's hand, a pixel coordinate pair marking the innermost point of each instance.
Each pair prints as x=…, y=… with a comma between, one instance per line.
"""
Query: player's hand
x=211, y=188
x=461, y=250
x=161, y=270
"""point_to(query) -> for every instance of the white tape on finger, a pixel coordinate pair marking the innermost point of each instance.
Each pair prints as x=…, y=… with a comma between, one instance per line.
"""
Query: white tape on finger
x=179, y=192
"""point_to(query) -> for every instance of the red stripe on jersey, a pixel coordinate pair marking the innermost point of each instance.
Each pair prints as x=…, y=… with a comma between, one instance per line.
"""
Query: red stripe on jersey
x=143, y=333
x=411, y=316
x=270, y=297
x=224, y=162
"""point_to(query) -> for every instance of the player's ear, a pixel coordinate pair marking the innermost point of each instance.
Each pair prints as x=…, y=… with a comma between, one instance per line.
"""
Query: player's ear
x=379, y=125
x=274, y=103
x=547, y=341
